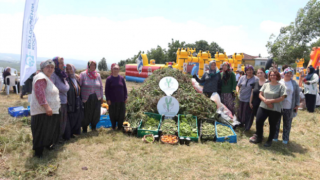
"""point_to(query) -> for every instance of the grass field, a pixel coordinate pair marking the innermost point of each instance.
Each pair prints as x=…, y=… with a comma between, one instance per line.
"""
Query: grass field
x=112, y=155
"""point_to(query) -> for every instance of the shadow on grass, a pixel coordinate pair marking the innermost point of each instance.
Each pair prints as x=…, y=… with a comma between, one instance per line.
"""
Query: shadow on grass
x=47, y=165
x=277, y=147
x=285, y=149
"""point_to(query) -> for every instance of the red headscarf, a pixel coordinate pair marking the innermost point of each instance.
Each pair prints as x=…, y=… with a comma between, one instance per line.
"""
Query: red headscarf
x=93, y=74
x=112, y=66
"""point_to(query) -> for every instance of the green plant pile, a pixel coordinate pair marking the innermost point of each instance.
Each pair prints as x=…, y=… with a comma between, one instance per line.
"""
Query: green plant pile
x=146, y=97
x=224, y=130
x=207, y=130
x=149, y=123
x=188, y=126
x=169, y=126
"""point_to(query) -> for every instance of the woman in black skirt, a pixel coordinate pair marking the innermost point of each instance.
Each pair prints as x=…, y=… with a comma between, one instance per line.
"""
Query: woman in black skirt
x=254, y=98
x=92, y=96
x=116, y=95
x=75, y=105
x=44, y=108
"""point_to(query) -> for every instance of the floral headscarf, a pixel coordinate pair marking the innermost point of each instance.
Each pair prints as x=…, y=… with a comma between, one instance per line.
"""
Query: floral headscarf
x=226, y=74
x=228, y=65
x=287, y=70
x=60, y=73
x=93, y=74
x=72, y=75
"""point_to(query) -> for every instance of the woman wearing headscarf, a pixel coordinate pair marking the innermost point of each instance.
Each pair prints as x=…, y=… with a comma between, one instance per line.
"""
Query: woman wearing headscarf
x=228, y=86
x=290, y=105
x=116, y=95
x=59, y=79
x=44, y=109
x=92, y=96
x=244, y=88
x=310, y=88
x=254, y=98
x=211, y=80
x=75, y=105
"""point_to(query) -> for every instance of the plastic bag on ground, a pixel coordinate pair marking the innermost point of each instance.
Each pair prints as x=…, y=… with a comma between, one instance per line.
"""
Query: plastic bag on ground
x=216, y=98
x=225, y=115
x=196, y=85
x=103, y=111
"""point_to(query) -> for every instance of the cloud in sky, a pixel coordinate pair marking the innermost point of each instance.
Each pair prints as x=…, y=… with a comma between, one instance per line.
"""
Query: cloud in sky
x=82, y=37
x=271, y=26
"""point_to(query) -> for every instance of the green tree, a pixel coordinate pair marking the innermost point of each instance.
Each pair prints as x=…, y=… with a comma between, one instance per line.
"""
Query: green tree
x=172, y=49
x=297, y=39
x=159, y=54
x=204, y=46
x=214, y=47
x=102, y=66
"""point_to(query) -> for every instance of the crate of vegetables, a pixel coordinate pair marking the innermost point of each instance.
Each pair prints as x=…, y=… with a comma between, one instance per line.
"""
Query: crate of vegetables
x=188, y=127
x=169, y=126
x=207, y=130
x=225, y=133
x=149, y=124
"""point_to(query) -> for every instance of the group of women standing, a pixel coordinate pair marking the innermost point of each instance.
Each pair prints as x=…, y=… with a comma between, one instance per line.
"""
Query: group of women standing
x=264, y=96
x=63, y=102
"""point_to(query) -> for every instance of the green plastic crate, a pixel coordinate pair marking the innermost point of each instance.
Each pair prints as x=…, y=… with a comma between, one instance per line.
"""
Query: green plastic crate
x=195, y=139
x=207, y=137
x=142, y=132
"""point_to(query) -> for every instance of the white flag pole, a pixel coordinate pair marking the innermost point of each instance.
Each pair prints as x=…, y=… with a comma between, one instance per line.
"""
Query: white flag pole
x=28, y=58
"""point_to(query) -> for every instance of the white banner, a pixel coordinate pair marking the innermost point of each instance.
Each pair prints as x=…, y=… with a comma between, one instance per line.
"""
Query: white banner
x=28, y=59
x=168, y=106
x=168, y=85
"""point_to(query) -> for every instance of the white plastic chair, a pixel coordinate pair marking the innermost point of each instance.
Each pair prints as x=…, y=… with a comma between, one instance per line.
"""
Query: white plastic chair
x=14, y=72
x=11, y=83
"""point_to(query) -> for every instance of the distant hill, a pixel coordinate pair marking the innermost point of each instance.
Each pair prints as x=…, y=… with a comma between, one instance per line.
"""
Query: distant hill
x=13, y=60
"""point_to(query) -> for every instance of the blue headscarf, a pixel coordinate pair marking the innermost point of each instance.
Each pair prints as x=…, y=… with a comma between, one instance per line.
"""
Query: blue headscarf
x=310, y=74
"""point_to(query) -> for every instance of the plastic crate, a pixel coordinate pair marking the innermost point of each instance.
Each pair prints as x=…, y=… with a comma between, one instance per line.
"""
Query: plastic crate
x=104, y=122
x=204, y=137
x=18, y=111
x=142, y=132
x=195, y=139
x=230, y=139
x=175, y=118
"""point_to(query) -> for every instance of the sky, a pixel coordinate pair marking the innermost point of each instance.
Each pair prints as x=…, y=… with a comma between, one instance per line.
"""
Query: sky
x=117, y=30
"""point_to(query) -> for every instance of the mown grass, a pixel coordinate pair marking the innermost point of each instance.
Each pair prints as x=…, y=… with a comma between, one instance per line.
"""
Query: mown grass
x=112, y=155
